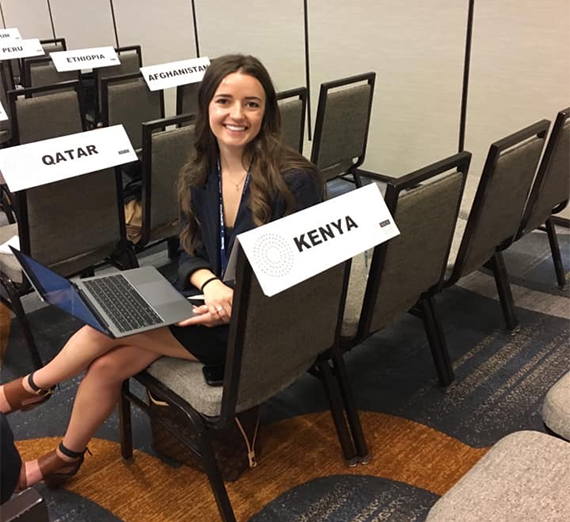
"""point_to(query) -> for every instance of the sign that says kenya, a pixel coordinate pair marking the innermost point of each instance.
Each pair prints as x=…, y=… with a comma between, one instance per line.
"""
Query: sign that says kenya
x=292, y=249
x=85, y=59
x=172, y=74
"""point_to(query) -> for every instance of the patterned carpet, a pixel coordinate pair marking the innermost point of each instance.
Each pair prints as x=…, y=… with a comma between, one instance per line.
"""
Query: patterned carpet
x=422, y=439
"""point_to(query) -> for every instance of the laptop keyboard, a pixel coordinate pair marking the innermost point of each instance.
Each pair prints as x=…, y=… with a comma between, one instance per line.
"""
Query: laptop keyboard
x=122, y=303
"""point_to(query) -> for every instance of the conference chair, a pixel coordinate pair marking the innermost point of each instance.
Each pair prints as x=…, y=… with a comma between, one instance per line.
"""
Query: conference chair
x=5, y=86
x=293, y=109
x=70, y=226
x=40, y=71
x=41, y=113
x=53, y=45
x=131, y=62
x=126, y=99
x=341, y=128
x=497, y=212
x=187, y=98
x=272, y=342
x=165, y=151
x=406, y=272
x=27, y=506
x=551, y=190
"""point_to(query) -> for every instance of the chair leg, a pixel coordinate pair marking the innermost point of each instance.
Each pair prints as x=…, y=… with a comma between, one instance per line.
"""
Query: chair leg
x=214, y=476
x=335, y=402
x=351, y=410
x=556, y=257
x=497, y=265
x=125, y=425
x=18, y=309
x=436, y=341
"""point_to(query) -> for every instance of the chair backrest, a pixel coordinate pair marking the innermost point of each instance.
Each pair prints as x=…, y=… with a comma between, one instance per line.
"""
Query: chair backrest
x=293, y=109
x=40, y=71
x=187, y=98
x=131, y=62
x=5, y=86
x=551, y=188
x=41, y=113
x=165, y=152
x=425, y=206
x=126, y=99
x=53, y=45
x=274, y=340
x=72, y=224
x=497, y=210
x=341, y=128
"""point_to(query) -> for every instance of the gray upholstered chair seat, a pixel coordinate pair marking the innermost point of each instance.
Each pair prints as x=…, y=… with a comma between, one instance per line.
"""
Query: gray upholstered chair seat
x=185, y=378
x=8, y=263
x=525, y=477
x=556, y=408
x=355, y=295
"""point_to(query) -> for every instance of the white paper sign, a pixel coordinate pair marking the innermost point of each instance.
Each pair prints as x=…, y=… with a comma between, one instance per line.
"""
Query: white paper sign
x=47, y=161
x=20, y=49
x=3, y=113
x=172, y=74
x=292, y=249
x=13, y=242
x=85, y=59
x=10, y=34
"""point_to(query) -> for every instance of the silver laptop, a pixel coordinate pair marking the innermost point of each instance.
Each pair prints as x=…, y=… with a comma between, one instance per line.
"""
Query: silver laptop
x=119, y=304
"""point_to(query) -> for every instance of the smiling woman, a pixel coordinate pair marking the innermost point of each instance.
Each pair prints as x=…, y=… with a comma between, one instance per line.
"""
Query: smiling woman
x=241, y=176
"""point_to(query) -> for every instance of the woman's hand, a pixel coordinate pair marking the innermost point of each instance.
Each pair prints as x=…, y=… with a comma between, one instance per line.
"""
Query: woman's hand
x=218, y=299
x=203, y=317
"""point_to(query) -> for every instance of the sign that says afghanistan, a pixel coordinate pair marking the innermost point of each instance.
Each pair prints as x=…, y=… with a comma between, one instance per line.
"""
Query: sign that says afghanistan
x=10, y=49
x=172, y=74
x=292, y=249
x=48, y=161
x=85, y=59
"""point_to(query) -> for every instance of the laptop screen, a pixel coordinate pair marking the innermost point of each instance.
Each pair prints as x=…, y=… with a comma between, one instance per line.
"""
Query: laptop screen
x=58, y=291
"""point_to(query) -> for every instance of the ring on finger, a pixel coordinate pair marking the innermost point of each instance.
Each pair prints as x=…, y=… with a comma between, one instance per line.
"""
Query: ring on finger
x=219, y=309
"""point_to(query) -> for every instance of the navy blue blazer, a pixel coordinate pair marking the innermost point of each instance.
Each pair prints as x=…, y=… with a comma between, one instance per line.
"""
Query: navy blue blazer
x=305, y=186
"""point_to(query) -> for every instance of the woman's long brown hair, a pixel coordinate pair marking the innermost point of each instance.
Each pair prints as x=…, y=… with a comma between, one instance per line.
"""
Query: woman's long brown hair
x=269, y=156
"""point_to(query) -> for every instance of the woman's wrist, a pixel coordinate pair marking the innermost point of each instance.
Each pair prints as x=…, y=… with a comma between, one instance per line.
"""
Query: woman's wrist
x=208, y=281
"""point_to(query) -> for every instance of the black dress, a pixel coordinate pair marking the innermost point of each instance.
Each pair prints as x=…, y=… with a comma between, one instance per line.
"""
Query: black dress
x=208, y=345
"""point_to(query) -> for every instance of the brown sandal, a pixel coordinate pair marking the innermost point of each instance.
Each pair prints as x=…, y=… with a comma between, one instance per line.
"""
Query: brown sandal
x=19, y=398
x=56, y=471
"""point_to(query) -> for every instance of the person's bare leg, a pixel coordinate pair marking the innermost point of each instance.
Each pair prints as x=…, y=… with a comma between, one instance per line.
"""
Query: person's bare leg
x=100, y=389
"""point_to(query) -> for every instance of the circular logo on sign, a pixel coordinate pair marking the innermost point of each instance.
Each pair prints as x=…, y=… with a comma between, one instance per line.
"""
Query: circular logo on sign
x=274, y=255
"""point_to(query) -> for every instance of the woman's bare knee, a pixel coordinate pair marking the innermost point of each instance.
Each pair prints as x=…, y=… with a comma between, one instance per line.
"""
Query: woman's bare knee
x=108, y=369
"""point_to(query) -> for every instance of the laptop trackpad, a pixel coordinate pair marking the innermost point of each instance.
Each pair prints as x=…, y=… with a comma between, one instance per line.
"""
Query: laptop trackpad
x=158, y=293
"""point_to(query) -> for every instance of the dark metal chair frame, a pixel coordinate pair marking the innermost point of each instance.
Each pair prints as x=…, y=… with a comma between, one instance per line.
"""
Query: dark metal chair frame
x=98, y=80
x=148, y=130
x=425, y=307
x=180, y=99
x=369, y=78
x=105, y=94
x=330, y=376
x=300, y=93
x=29, y=93
x=496, y=263
x=553, y=140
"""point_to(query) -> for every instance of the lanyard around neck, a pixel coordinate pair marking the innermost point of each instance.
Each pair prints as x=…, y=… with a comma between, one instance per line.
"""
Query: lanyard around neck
x=223, y=253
